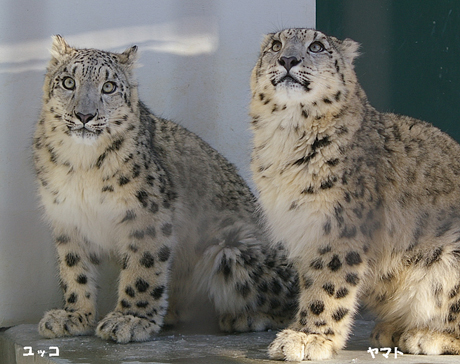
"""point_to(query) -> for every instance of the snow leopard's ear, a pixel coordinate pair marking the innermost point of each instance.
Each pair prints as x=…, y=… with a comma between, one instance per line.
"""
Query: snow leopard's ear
x=60, y=48
x=268, y=38
x=348, y=48
x=60, y=51
x=129, y=57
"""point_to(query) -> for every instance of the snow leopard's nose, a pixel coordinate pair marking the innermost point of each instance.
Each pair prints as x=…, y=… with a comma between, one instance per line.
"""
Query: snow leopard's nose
x=84, y=118
x=288, y=62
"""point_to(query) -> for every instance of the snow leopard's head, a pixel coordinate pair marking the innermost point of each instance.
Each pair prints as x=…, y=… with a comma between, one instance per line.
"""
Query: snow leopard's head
x=303, y=65
x=89, y=91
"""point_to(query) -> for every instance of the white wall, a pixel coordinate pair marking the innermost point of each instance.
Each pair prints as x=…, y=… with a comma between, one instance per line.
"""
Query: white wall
x=196, y=58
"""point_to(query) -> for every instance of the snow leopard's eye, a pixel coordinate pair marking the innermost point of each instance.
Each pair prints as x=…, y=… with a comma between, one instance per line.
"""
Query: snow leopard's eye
x=276, y=46
x=316, y=47
x=68, y=83
x=109, y=87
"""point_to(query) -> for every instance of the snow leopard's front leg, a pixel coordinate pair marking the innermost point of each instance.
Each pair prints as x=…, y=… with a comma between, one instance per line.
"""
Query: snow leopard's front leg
x=142, y=292
x=330, y=278
x=77, y=275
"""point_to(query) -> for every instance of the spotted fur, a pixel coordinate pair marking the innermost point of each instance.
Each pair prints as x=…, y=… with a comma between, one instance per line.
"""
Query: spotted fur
x=113, y=178
x=367, y=203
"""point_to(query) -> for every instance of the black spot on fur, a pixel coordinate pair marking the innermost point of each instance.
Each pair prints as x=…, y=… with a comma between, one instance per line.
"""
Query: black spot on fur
x=327, y=228
x=348, y=232
x=150, y=179
x=147, y=260
x=276, y=287
x=142, y=196
x=455, y=308
x=72, y=298
x=308, y=191
x=225, y=267
x=243, y=289
x=339, y=314
x=434, y=257
x=352, y=278
x=317, y=264
x=151, y=231
x=107, y=189
x=153, y=207
x=456, y=252
x=317, y=307
x=53, y=156
x=341, y=292
x=332, y=162
x=320, y=143
x=304, y=160
x=337, y=96
x=124, y=261
x=335, y=264
x=164, y=253
x=62, y=239
x=142, y=304
x=123, y=180
x=325, y=250
x=100, y=160
x=82, y=279
x=353, y=258
x=116, y=145
x=329, y=183
x=166, y=229
x=125, y=304
x=130, y=215
x=358, y=212
x=130, y=291
x=141, y=285
x=157, y=293
x=293, y=206
x=138, y=234
x=454, y=292
x=136, y=170
x=302, y=316
x=307, y=282
x=329, y=288
x=72, y=259
x=451, y=318
x=94, y=259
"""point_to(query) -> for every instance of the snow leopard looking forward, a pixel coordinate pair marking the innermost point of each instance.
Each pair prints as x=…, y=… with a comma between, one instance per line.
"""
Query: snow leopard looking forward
x=367, y=203
x=113, y=178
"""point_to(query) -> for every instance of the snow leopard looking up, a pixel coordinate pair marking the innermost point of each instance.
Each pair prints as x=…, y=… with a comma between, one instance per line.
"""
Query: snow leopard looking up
x=114, y=178
x=367, y=203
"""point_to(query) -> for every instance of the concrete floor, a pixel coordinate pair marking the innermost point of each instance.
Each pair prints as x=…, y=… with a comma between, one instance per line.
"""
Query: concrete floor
x=23, y=345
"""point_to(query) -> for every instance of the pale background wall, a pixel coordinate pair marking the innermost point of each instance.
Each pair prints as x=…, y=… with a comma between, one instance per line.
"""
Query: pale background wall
x=196, y=55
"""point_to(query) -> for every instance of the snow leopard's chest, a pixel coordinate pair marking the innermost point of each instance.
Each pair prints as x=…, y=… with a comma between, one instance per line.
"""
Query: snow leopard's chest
x=83, y=201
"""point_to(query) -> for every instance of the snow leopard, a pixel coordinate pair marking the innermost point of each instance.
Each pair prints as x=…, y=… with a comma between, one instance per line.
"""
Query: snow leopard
x=116, y=180
x=366, y=203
